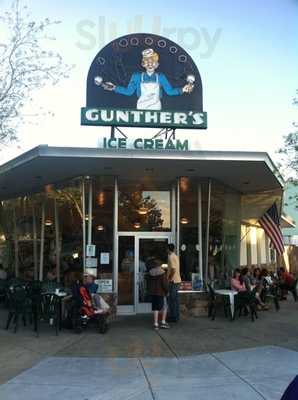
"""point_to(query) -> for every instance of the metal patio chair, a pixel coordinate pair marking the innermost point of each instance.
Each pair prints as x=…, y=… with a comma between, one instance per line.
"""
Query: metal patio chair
x=19, y=306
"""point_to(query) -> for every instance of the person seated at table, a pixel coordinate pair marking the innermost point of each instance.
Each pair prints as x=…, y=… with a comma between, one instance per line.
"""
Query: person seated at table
x=256, y=282
x=286, y=281
x=237, y=283
x=51, y=276
x=3, y=273
x=257, y=277
x=97, y=301
x=267, y=280
x=246, y=279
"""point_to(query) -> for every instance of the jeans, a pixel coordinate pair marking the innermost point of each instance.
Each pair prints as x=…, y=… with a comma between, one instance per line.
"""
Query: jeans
x=173, y=302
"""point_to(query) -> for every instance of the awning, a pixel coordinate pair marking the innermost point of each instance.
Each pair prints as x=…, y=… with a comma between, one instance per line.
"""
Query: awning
x=287, y=221
x=246, y=172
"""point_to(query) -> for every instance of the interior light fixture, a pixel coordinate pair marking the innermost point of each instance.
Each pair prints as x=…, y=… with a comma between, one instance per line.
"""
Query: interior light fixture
x=48, y=222
x=101, y=198
x=143, y=210
x=184, y=184
x=100, y=228
x=137, y=225
x=184, y=221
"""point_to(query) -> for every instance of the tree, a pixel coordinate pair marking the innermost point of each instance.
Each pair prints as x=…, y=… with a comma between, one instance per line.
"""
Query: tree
x=289, y=152
x=26, y=64
x=131, y=203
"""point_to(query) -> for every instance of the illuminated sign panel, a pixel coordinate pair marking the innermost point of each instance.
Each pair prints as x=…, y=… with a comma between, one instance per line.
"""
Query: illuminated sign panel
x=144, y=80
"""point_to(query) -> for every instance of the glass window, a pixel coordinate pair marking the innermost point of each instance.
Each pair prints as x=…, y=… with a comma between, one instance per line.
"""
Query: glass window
x=224, y=234
x=7, y=243
x=70, y=220
x=189, y=240
x=144, y=207
x=103, y=224
x=126, y=270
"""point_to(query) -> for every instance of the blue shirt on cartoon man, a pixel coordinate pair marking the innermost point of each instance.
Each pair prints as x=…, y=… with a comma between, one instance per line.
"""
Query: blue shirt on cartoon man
x=148, y=85
x=137, y=78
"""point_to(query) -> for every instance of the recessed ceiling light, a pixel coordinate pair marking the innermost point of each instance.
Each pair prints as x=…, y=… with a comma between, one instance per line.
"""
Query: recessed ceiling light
x=143, y=210
x=184, y=221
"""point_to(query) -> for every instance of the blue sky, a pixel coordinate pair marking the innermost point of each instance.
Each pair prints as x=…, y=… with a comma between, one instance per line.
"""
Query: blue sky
x=247, y=54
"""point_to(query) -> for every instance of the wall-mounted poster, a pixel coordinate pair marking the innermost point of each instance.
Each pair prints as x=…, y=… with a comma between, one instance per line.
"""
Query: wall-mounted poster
x=90, y=250
x=104, y=285
x=91, y=271
x=91, y=262
x=104, y=258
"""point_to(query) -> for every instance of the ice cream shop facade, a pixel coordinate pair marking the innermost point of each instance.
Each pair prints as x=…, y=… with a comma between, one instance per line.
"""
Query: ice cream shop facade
x=107, y=210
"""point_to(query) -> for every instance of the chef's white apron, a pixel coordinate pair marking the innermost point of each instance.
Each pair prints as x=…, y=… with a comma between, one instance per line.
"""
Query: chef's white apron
x=150, y=95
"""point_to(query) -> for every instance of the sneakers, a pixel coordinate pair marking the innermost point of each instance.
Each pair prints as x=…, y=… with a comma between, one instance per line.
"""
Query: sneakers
x=164, y=325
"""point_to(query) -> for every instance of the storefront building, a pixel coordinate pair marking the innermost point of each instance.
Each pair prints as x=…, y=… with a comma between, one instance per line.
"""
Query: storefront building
x=107, y=211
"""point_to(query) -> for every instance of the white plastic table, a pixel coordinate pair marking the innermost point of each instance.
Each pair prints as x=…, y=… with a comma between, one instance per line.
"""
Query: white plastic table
x=231, y=294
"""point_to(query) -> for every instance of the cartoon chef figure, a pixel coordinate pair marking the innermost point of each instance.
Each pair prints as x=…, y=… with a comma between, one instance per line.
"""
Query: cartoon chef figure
x=148, y=85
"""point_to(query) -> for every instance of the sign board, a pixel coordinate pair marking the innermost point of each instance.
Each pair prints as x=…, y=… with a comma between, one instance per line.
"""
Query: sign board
x=143, y=118
x=146, y=144
x=144, y=80
x=104, y=258
x=104, y=285
x=91, y=262
x=90, y=250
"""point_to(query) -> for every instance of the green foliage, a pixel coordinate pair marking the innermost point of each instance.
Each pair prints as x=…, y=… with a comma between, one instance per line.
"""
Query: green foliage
x=289, y=151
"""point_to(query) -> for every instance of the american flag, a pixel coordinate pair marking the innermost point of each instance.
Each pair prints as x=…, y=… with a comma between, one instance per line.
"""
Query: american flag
x=270, y=223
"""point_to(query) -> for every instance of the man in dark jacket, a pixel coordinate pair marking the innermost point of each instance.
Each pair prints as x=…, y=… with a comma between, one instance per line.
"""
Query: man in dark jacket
x=158, y=289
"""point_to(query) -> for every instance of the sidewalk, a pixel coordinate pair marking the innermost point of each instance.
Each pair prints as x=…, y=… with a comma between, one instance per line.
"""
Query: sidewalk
x=252, y=374
x=134, y=338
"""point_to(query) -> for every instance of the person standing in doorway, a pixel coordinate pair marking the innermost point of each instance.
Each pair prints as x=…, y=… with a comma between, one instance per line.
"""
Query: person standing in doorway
x=158, y=289
x=174, y=284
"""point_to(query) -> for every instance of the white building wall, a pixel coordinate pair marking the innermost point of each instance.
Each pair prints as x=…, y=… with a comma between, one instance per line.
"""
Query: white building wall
x=243, y=245
x=262, y=246
x=253, y=237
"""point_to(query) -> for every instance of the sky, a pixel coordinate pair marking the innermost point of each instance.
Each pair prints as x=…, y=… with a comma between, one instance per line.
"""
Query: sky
x=246, y=52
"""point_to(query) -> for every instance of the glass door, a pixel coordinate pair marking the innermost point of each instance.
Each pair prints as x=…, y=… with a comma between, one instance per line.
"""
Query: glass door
x=126, y=274
x=146, y=248
x=134, y=252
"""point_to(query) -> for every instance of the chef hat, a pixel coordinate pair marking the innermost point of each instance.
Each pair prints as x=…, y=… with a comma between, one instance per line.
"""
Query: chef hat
x=150, y=53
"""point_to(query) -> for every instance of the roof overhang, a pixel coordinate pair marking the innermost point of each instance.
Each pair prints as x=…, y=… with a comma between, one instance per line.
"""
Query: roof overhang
x=287, y=221
x=246, y=172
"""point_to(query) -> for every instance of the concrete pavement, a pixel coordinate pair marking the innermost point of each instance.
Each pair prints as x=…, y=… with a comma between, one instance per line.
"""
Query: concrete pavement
x=261, y=373
x=133, y=338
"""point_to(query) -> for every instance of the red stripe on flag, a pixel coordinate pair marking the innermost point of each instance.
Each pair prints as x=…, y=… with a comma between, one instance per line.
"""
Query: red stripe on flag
x=277, y=232
x=273, y=231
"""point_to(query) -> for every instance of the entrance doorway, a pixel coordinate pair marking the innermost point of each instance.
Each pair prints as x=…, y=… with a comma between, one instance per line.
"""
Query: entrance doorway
x=134, y=251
